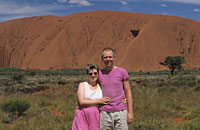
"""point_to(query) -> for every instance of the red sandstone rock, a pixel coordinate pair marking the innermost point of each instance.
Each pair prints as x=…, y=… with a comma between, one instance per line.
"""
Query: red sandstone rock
x=142, y=41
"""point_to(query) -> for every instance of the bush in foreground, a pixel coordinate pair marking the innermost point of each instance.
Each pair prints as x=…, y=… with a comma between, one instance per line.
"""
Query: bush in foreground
x=16, y=105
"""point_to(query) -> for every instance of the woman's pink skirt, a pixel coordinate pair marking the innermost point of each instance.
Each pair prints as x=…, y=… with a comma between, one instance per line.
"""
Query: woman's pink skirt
x=86, y=119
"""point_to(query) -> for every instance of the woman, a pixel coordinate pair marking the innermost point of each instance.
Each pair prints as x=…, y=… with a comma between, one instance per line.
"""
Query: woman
x=89, y=97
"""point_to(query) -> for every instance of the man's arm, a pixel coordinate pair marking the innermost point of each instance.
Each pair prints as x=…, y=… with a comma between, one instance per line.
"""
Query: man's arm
x=128, y=95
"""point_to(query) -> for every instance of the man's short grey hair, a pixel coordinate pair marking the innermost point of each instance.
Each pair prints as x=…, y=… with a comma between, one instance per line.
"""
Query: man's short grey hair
x=108, y=49
x=91, y=66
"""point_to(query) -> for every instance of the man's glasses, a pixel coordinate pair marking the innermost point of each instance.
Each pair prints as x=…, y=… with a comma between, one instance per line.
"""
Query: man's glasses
x=90, y=74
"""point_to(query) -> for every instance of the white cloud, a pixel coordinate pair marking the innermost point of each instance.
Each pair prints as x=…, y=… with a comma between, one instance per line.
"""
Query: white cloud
x=116, y=0
x=12, y=8
x=6, y=18
x=196, y=10
x=123, y=2
x=185, y=1
x=62, y=1
x=164, y=13
x=163, y=5
x=80, y=2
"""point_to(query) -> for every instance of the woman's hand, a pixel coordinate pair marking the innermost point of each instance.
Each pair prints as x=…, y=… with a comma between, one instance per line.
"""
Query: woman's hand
x=124, y=101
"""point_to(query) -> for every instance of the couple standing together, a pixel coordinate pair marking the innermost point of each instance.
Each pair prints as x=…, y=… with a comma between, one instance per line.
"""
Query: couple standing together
x=104, y=107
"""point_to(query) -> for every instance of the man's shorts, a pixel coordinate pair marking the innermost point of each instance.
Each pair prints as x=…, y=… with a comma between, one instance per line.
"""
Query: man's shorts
x=113, y=120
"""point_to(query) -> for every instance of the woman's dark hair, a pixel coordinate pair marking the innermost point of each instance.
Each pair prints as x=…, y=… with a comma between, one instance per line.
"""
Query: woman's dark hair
x=91, y=66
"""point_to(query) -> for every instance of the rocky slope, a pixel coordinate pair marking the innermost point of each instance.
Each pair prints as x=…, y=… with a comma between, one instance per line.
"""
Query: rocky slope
x=141, y=41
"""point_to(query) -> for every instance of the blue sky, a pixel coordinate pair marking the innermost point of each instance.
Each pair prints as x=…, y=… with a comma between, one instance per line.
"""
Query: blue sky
x=13, y=9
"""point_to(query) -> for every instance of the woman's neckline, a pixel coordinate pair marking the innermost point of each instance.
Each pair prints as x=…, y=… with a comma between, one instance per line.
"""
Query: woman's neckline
x=96, y=86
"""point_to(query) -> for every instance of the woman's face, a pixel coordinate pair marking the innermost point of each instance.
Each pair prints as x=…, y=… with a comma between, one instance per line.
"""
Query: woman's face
x=93, y=75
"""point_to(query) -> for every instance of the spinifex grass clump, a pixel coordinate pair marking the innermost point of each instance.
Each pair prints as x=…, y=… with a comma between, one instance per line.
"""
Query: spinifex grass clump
x=18, y=106
x=18, y=78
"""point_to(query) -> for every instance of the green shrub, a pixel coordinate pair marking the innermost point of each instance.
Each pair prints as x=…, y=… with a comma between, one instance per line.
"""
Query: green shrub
x=146, y=83
x=188, y=83
x=16, y=105
x=18, y=77
x=46, y=81
x=32, y=73
x=62, y=82
x=197, y=89
x=162, y=84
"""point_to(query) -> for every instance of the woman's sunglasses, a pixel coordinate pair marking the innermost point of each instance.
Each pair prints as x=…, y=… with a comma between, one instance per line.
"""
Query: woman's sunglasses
x=90, y=74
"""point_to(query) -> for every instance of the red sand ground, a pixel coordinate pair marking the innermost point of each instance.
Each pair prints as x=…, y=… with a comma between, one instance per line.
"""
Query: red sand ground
x=178, y=120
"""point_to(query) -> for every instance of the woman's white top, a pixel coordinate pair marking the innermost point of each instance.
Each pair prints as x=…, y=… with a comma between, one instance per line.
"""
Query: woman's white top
x=92, y=94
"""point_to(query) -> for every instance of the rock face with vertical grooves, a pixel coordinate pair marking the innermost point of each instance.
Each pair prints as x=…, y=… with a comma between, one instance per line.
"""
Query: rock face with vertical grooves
x=141, y=41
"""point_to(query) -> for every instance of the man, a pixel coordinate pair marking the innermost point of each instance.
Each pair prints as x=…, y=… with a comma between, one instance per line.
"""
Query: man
x=115, y=84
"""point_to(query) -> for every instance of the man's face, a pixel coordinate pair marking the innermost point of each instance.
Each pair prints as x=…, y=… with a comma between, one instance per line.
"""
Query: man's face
x=108, y=58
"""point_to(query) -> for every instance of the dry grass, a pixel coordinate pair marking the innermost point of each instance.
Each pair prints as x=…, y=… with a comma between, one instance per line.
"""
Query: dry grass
x=160, y=102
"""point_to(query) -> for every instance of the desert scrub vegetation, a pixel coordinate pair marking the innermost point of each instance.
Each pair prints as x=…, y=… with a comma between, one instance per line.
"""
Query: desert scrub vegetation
x=46, y=112
x=160, y=101
x=18, y=106
x=164, y=102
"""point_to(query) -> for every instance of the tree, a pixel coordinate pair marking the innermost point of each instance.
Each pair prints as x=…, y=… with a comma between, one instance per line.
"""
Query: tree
x=174, y=63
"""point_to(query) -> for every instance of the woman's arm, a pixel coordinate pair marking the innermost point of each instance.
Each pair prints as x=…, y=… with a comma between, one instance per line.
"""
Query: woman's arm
x=89, y=102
